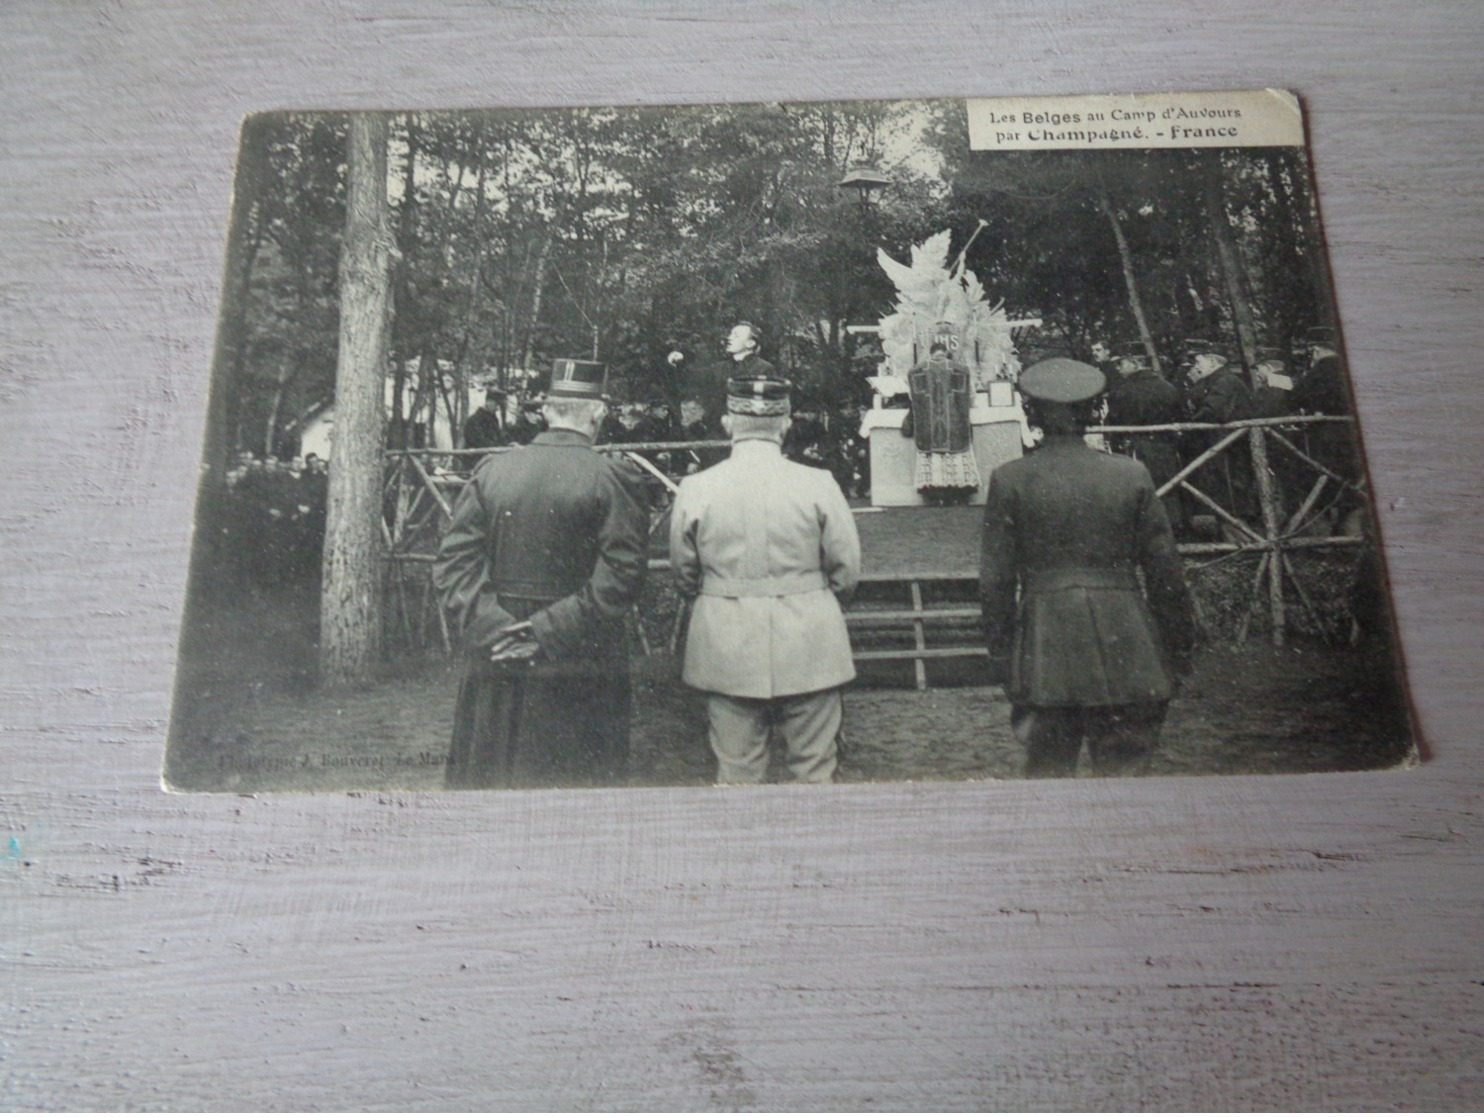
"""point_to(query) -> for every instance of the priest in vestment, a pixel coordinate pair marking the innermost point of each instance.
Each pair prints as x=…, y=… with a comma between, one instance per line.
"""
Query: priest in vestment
x=942, y=392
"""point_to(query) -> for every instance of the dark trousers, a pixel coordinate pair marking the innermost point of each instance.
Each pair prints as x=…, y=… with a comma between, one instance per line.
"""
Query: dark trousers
x=1162, y=459
x=536, y=727
x=1120, y=739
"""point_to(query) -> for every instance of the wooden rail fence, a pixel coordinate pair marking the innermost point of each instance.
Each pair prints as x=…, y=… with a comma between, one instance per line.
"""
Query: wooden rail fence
x=1282, y=497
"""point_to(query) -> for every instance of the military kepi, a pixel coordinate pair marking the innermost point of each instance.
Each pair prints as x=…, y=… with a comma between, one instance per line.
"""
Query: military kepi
x=1062, y=380
x=578, y=379
x=759, y=396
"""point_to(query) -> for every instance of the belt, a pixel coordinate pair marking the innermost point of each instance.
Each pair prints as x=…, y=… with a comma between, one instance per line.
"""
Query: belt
x=783, y=585
x=545, y=595
x=1080, y=577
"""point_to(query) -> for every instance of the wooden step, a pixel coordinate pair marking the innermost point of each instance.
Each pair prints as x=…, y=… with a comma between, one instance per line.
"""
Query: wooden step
x=921, y=576
x=917, y=620
x=953, y=613
x=909, y=654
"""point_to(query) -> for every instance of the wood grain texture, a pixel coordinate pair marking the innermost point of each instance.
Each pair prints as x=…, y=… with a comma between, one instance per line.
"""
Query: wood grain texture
x=1198, y=943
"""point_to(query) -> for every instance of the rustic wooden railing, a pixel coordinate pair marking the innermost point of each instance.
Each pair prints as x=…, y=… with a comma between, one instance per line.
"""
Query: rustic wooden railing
x=419, y=492
x=1280, y=529
x=1275, y=518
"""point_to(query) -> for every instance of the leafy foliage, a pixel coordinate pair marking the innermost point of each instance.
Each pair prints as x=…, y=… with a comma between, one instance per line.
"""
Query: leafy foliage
x=627, y=233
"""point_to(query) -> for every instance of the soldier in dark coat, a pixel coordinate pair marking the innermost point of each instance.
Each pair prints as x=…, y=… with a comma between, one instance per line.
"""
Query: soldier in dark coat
x=1272, y=387
x=540, y=569
x=485, y=429
x=1324, y=390
x=315, y=486
x=527, y=423
x=705, y=389
x=1219, y=393
x=1140, y=397
x=1084, y=652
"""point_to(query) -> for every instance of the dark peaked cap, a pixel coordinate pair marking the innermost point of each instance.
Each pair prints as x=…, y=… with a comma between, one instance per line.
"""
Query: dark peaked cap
x=1062, y=380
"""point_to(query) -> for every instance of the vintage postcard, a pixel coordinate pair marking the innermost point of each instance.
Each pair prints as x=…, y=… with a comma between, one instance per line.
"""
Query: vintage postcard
x=737, y=444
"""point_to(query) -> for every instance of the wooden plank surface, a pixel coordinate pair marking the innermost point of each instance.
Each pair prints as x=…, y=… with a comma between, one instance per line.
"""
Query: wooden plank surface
x=1197, y=943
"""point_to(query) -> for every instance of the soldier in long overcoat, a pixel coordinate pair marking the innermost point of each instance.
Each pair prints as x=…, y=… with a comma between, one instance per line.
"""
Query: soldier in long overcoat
x=1324, y=391
x=1140, y=397
x=1218, y=392
x=766, y=547
x=1084, y=651
x=539, y=571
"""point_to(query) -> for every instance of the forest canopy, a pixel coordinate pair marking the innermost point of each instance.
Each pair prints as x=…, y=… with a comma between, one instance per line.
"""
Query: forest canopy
x=625, y=234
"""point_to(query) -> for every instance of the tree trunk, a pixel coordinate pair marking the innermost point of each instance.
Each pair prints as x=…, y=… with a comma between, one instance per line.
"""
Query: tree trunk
x=1317, y=257
x=595, y=299
x=507, y=309
x=425, y=401
x=275, y=404
x=1231, y=273
x=1272, y=528
x=397, y=425
x=1226, y=253
x=539, y=285
x=350, y=604
x=469, y=350
x=449, y=407
x=1126, y=259
x=406, y=238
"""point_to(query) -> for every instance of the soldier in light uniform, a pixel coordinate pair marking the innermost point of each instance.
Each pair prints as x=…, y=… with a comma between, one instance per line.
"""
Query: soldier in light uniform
x=1085, y=649
x=766, y=547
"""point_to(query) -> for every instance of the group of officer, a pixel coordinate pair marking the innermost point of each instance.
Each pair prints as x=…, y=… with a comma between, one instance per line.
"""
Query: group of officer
x=545, y=559
x=1214, y=389
x=270, y=518
x=816, y=436
x=1087, y=617
x=697, y=419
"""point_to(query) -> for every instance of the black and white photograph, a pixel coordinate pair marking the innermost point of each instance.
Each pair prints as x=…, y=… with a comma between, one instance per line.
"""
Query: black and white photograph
x=732, y=444
x=778, y=556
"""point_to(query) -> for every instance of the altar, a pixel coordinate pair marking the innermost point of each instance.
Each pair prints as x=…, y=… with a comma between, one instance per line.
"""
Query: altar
x=997, y=423
x=946, y=349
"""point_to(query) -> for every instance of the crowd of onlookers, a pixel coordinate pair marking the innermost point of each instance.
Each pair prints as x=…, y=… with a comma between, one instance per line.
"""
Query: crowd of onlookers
x=266, y=524
x=1209, y=387
x=819, y=436
x=269, y=518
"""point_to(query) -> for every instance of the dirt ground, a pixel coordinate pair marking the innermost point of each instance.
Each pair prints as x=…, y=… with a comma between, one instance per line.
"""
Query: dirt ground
x=248, y=718
x=249, y=721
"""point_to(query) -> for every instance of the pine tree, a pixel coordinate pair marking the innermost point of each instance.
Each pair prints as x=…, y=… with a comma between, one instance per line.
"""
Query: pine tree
x=350, y=605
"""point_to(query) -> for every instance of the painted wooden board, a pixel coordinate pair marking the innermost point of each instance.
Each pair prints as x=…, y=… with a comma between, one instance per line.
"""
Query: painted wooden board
x=1226, y=943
